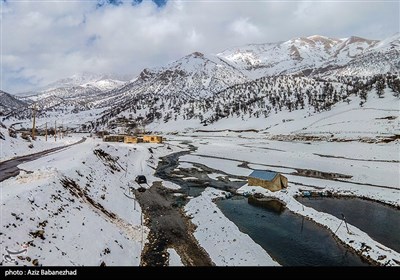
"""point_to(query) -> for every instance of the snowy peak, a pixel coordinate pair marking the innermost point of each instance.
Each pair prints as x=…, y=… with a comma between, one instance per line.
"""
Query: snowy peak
x=196, y=74
x=390, y=43
x=353, y=46
x=104, y=85
x=79, y=87
x=313, y=54
x=315, y=42
x=84, y=79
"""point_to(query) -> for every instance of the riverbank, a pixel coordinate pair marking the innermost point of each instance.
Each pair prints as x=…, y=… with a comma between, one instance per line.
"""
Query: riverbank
x=215, y=159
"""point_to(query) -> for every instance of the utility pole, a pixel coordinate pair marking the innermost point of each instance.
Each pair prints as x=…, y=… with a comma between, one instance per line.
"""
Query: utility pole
x=55, y=131
x=33, y=121
x=62, y=129
x=344, y=219
x=141, y=223
x=46, y=131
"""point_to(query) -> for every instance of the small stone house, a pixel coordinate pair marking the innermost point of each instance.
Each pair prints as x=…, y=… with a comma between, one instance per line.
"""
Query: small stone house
x=270, y=180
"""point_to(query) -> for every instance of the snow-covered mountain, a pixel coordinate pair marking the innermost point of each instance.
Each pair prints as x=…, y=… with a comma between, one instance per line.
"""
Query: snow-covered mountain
x=317, y=55
x=77, y=86
x=9, y=103
x=101, y=81
x=193, y=76
x=253, y=102
x=202, y=89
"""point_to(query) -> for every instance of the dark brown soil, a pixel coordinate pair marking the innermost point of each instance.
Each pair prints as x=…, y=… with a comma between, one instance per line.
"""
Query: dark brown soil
x=169, y=228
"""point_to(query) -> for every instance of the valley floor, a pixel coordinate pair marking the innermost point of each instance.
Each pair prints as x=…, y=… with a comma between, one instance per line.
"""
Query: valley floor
x=77, y=206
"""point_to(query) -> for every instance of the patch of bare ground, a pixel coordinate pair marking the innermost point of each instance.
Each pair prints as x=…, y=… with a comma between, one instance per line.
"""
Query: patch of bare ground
x=169, y=228
x=108, y=160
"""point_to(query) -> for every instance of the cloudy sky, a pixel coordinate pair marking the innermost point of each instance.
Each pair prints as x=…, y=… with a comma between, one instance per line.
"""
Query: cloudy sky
x=45, y=40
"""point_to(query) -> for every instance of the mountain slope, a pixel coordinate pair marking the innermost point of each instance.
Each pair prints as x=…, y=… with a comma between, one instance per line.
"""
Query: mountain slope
x=9, y=103
x=316, y=54
x=202, y=90
x=191, y=77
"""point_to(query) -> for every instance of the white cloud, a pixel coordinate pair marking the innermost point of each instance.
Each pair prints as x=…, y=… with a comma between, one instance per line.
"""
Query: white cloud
x=46, y=41
x=245, y=28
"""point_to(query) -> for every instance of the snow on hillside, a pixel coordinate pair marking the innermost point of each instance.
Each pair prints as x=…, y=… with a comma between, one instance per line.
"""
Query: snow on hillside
x=191, y=77
x=195, y=74
x=377, y=117
x=104, y=84
x=74, y=207
x=11, y=147
x=316, y=54
x=84, y=78
x=207, y=89
x=9, y=103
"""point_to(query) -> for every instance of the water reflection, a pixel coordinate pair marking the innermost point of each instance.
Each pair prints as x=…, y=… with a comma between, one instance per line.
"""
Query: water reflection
x=380, y=222
x=273, y=205
x=289, y=238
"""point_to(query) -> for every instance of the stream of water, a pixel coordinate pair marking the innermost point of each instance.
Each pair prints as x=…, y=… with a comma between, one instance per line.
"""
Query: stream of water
x=289, y=238
x=379, y=221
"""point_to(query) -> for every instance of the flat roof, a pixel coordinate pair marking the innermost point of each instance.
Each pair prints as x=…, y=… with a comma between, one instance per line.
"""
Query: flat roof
x=263, y=174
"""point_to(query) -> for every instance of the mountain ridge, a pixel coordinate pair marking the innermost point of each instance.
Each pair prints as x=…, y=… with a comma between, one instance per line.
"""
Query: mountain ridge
x=199, y=80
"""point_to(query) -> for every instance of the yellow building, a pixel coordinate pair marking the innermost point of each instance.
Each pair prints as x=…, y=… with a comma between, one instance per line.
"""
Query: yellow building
x=270, y=180
x=131, y=140
x=152, y=139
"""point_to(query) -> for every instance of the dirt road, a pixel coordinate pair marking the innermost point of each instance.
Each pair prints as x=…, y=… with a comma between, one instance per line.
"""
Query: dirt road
x=169, y=228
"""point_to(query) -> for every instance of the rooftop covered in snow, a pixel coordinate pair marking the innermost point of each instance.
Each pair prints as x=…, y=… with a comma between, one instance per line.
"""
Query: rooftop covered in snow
x=263, y=174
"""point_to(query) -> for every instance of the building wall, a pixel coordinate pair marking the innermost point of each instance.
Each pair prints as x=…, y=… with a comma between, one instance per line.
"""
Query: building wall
x=284, y=181
x=272, y=186
x=130, y=139
x=152, y=139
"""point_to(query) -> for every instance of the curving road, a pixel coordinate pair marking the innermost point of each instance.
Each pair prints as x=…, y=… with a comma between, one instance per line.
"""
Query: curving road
x=9, y=168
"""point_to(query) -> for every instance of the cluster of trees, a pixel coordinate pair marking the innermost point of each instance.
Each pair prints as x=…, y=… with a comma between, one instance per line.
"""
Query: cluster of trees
x=254, y=99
